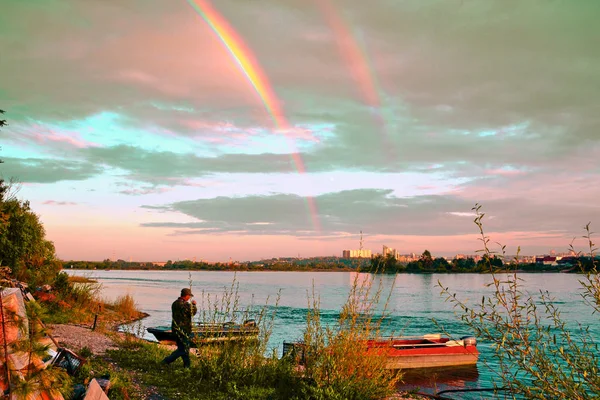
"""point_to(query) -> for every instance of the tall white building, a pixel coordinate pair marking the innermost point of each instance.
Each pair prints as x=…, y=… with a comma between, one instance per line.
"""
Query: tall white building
x=389, y=250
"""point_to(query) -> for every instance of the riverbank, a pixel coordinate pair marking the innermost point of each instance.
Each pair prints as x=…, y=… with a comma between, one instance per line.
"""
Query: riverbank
x=132, y=365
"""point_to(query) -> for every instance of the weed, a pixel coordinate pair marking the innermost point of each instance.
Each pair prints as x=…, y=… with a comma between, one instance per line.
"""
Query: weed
x=337, y=358
x=538, y=356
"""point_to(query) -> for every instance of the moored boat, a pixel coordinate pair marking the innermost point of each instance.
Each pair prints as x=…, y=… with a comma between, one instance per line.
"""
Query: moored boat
x=206, y=333
x=427, y=351
x=412, y=352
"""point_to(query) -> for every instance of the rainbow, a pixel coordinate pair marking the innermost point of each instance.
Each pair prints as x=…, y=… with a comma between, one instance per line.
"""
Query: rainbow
x=357, y=59
x=247, y=63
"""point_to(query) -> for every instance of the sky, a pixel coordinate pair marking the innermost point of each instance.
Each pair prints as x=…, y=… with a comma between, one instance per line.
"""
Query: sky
x=247, y=129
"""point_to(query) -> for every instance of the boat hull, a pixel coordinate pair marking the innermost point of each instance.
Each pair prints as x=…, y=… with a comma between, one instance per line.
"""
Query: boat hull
x=433, y=351
x=429, y=351
x=430, y=360
x=209, y=333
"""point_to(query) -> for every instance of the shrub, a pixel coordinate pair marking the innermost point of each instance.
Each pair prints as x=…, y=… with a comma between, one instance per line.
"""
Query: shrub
x=126, y=307
x=539, y=357
x=338, y=363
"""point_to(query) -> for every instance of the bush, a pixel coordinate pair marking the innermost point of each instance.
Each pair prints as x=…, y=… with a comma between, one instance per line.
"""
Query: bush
x=338, y=363
x=539, y=357
x=126, y=307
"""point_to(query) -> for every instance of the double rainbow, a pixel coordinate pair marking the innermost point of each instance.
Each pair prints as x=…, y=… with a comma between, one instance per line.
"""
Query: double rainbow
x=247, y=63
x=353, y=51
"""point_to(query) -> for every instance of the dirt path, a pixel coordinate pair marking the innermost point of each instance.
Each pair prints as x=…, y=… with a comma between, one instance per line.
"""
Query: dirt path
x=76, y=337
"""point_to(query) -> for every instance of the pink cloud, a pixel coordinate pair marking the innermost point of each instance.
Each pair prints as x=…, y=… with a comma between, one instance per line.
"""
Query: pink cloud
x=43, y=135
x=426, y=187
x=504, y=172
x=59, y=203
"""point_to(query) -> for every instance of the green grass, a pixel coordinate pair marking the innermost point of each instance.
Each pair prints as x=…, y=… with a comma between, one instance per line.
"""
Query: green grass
x=217, y=373
x=122, y=386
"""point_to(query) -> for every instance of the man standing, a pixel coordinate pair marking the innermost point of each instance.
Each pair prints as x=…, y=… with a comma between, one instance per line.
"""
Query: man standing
x=182, y=311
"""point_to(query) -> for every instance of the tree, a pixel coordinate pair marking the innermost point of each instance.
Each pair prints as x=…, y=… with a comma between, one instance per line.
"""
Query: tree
x=383, y=264
x=426, y=261
x=440, y=264
x=23, y=244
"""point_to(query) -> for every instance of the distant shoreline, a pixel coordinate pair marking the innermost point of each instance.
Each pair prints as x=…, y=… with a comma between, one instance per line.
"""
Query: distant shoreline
x=502, y=271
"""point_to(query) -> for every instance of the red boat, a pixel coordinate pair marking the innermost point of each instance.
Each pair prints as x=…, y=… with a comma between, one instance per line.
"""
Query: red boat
x=426, y=351
x=412, y=352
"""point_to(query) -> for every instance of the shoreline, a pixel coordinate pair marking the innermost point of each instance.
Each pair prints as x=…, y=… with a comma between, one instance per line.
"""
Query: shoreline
x=504, y=271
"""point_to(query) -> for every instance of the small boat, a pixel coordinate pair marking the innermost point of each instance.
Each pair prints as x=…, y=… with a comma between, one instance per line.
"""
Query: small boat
x=411, y=352
x=206, y=333
x=427, y=351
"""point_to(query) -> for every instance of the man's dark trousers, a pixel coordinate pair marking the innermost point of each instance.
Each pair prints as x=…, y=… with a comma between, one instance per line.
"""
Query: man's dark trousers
x=183, y=351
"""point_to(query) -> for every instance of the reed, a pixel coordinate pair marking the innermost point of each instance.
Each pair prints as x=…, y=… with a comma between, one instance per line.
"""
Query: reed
x=338, y=361
x=81, y=279
x=126, y=307
x=538, y=356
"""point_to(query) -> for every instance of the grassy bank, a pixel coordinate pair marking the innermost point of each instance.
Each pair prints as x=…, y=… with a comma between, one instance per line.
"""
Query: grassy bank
x=77, y=300
x=336, y=367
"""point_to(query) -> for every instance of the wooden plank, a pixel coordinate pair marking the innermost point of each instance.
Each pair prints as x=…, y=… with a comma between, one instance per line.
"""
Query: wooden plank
x=95, y=392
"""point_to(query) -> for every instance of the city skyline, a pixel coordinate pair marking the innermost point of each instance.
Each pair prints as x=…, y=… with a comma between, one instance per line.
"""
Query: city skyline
x=218, y=129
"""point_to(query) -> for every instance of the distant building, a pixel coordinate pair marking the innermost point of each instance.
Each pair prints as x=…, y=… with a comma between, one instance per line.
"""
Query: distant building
x=546, y=260
x=388, y=250
x=361, y=253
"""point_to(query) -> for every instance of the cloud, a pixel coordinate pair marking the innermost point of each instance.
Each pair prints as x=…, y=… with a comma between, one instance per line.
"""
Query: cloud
x=35, y=170
x=59, y=203
x=370, y=211
x=144, y=191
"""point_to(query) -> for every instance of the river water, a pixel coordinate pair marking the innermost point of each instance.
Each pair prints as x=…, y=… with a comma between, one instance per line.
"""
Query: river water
x=414, y=302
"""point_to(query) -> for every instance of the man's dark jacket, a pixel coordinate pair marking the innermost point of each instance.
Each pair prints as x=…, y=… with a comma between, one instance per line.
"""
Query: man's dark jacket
x=182, y=312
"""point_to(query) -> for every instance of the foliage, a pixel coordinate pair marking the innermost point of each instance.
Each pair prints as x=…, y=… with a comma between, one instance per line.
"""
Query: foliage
x=383, y=264
x=121, y=382
x=230, y=370
x=217, y=373
x=27, y=375
x=538, y=355
x=23, y=246
x=337, y=359
x=339, y=368
x=279, y=264
x=126, y=307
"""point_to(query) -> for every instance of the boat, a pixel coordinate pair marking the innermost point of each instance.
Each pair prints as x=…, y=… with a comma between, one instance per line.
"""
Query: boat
x=427, y=351
x=412, y=352
x=206, y=333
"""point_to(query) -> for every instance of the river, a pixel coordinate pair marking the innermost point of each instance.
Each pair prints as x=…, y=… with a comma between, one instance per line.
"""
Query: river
x=415, y=300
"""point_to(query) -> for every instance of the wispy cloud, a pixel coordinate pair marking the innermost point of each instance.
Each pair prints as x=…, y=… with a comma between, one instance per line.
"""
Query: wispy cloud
x=59, y=203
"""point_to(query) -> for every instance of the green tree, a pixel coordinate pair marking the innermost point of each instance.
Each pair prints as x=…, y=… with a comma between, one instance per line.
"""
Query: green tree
x=23, y=244
x=426, y=261
x=383, y=264
x=441, y=265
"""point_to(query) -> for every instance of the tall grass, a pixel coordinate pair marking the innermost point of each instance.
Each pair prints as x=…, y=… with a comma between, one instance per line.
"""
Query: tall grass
x=338, y=361
x=126, y=307
x=339, y=366
x=226, y=307
x=538, y=355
